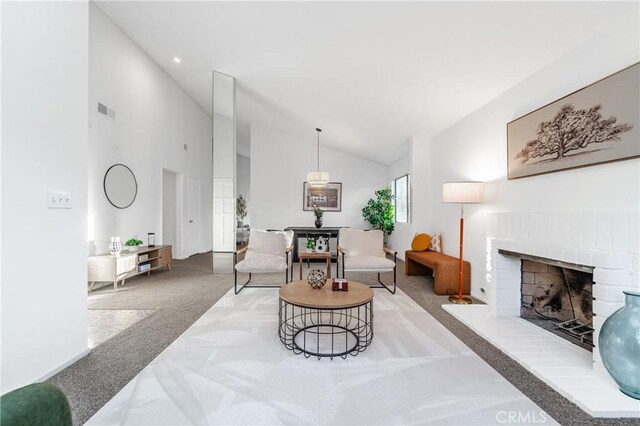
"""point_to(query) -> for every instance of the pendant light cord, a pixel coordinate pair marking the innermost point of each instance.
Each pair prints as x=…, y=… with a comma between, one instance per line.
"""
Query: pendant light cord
x=318, y=149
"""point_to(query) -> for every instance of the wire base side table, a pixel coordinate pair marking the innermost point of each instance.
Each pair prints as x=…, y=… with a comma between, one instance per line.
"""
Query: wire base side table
x=324, y=323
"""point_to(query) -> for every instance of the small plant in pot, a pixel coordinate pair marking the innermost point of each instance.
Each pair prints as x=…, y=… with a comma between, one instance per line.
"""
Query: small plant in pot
x=310, y=245
x=318, y=214
x=133, y=243
x=241, y=210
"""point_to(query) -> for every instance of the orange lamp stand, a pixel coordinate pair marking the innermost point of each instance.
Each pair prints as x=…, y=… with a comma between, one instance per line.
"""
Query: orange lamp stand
x=459, y=298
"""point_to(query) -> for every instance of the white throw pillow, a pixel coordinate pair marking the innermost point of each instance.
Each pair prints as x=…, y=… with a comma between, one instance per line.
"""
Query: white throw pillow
x=356, y=242
x=264, y=242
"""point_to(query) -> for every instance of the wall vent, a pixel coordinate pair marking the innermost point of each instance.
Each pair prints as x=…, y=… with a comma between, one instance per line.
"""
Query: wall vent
x=106, y=111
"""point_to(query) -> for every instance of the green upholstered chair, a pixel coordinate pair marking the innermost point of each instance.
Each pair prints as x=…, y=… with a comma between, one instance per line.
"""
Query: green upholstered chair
x=38, y=404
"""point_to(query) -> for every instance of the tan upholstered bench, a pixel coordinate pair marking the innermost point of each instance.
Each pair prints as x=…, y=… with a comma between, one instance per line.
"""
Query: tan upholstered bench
x=445, y=270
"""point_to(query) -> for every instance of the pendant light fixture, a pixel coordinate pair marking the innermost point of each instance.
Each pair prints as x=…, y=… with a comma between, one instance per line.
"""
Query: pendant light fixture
x=318, y=179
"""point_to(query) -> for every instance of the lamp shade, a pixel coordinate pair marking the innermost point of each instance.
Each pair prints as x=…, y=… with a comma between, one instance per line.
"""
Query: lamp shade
x=318, y=179
x=462, y=192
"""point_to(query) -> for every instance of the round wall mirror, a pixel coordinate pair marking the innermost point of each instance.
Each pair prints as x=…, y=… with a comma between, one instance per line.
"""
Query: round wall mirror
x=120, y=186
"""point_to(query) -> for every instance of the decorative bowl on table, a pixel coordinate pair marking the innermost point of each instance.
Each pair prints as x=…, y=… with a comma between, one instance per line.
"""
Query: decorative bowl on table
x=316, y=279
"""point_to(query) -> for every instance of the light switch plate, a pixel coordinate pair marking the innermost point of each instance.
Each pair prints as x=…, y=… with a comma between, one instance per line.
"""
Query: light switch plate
x=58, y=200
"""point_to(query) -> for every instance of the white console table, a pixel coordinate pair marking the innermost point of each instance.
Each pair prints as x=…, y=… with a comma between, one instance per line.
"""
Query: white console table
x=114, y=268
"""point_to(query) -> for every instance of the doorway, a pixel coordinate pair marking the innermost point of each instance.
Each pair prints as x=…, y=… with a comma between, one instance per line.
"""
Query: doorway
x=193, y=235
x=170, y=205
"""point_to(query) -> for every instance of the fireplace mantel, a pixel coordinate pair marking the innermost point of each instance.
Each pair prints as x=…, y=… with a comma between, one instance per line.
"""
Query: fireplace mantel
x=554, y=262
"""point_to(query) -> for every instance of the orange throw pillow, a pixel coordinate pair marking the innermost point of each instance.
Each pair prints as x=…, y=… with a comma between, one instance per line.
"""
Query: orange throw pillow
x=421, y=242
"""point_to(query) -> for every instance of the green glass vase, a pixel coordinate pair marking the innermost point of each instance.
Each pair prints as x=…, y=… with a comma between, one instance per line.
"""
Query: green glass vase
x=619, y=345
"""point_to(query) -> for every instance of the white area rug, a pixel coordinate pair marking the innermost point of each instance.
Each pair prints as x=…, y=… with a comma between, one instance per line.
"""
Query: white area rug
x=230, y=368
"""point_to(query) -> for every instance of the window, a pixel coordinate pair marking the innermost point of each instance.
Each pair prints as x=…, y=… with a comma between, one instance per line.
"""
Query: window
x=400, y=191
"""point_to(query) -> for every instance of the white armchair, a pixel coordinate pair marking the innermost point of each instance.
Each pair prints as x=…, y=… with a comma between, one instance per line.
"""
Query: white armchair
x=364, y=251
x=268, y=252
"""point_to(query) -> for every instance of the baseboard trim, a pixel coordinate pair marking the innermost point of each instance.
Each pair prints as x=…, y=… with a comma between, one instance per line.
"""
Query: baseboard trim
x=64, y=365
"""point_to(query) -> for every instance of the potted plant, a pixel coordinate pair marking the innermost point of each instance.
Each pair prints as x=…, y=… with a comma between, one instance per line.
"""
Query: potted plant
x=310, y=245
x=133, y=243
x=241, y=210
x=318, y=214
x=379, y=212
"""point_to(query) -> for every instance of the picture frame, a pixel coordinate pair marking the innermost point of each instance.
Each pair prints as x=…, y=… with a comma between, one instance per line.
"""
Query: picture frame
x=328, y=198
x=596, y=124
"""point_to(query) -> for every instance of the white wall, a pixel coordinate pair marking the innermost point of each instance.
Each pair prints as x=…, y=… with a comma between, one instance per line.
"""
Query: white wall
x=44, y=147
x=154, y=118
x=400, y=239
x=280, y=162
x=475, y=149
x=243, y=181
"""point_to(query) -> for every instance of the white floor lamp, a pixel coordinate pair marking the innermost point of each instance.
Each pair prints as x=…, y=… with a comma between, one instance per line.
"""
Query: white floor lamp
x=462, y=193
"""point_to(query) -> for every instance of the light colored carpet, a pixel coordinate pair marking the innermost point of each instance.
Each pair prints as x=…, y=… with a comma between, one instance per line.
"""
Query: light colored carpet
x=231, y=368
x=107, y=323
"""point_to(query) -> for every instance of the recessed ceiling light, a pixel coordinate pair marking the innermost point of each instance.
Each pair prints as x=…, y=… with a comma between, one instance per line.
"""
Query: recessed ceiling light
x=177, y=60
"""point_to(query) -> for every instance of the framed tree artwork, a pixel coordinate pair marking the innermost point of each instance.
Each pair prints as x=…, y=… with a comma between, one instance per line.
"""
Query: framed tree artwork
x=328, y=198
x=597, y=124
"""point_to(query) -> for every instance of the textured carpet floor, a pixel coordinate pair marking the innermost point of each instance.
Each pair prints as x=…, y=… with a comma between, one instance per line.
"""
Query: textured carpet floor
x=180, y=297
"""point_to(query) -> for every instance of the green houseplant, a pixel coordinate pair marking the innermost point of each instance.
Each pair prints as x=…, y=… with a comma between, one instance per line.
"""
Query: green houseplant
x=310, y=245
x=318, y=214
x=379, y=211
x=133, y=243
x=241, y=209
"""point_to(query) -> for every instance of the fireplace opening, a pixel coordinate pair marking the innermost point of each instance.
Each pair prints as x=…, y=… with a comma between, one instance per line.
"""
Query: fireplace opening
x=559, y=298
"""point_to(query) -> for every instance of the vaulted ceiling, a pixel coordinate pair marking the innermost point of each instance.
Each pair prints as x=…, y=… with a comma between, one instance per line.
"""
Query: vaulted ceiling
x=370, y=74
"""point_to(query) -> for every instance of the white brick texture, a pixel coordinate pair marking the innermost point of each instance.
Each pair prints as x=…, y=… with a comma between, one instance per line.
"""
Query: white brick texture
x=607, y=241
x=612, y=260
x=614, y=277
x=619, y=233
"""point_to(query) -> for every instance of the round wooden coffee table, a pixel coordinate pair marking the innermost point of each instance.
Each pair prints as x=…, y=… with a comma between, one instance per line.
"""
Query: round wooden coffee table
x=325, y=323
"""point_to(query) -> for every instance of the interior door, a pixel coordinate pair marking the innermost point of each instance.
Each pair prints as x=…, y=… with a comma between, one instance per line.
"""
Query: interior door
x=193, y=240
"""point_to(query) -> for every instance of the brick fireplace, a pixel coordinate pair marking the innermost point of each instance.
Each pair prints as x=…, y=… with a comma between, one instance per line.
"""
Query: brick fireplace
x=607, y=243
x=604, y=244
